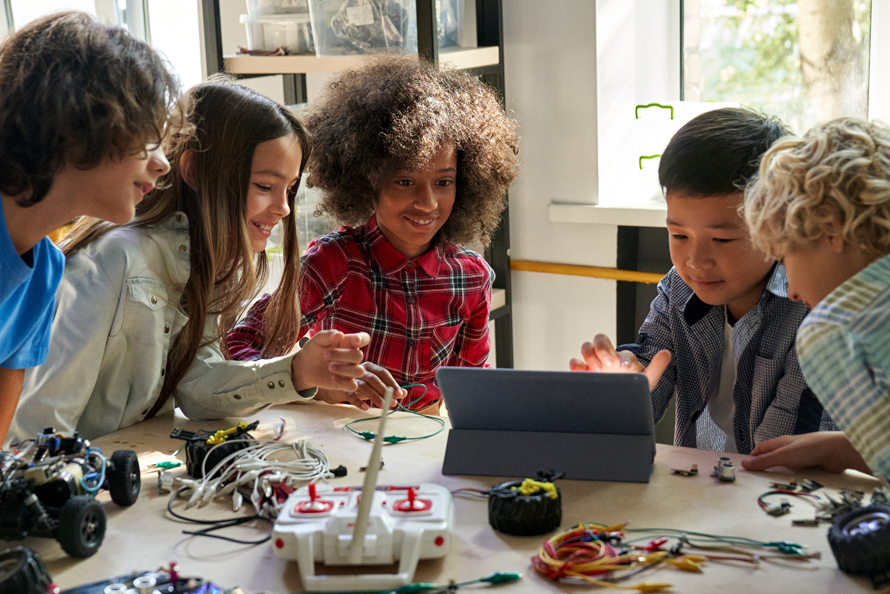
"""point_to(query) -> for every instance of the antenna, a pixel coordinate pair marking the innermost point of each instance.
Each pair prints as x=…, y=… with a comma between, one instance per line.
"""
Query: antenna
x=357, y=547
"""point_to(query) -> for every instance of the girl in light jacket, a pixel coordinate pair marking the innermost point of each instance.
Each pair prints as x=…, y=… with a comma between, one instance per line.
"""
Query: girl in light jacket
x=143, y=308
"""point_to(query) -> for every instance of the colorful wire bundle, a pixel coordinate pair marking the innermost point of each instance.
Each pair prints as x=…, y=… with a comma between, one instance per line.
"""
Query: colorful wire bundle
x=588, y=550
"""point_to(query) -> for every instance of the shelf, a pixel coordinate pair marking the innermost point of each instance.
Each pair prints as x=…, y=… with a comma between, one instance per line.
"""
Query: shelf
x=458, y=58
x=498, y=298
x=647, y=215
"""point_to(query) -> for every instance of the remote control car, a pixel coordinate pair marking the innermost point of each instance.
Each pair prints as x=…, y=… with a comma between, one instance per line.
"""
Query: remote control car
x=48, y=489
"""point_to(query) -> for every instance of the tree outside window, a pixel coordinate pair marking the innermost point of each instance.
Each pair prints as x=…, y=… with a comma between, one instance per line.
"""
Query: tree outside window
x=805, y=61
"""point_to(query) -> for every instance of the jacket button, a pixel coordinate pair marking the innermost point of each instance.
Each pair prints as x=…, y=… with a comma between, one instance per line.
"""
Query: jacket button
x=237, y=396
x=166, y=329
x=178, y=218
x=281, y=383
x=154, y=299
x=182, y=248
x=271, y=385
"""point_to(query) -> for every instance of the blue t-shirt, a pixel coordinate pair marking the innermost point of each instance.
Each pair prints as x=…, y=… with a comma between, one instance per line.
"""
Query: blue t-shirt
x=27, y=299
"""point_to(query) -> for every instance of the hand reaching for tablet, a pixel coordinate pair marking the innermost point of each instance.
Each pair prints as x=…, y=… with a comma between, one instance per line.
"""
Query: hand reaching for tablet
x=601, y=356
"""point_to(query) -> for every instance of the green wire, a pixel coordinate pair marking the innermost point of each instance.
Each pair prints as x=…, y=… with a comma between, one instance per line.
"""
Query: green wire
x=394, y=439
x=785, y=547
x=501, y=577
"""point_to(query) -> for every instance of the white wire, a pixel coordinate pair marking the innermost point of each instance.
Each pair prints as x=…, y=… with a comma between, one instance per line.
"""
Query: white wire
x=251, y=468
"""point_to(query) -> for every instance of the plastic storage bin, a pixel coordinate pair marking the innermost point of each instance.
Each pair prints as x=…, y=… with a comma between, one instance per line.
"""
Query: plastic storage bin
x=270, y=7
x=291, y=32
x=369, y=26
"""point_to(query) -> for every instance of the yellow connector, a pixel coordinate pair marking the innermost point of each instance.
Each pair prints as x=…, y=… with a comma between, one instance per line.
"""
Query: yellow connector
x=530, y=487
x=651, y=587
x=223, y=434
x=689, y=563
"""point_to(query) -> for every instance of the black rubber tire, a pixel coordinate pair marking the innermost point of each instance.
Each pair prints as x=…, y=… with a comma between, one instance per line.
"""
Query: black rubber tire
x=860, y=541
x=81, y=527
x=23, y=572
x=523, y=515
x=124, y=478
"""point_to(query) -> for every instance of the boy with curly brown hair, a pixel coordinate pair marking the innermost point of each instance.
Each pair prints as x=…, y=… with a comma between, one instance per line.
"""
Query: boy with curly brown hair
x=83, y=108
x=412, y=162
x=821, y=204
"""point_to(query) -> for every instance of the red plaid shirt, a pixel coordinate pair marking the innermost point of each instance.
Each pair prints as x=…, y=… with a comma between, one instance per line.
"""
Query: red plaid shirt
x=421, y=314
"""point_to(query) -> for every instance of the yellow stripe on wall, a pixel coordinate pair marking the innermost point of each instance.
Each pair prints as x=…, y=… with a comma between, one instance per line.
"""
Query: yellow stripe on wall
x=631, y=276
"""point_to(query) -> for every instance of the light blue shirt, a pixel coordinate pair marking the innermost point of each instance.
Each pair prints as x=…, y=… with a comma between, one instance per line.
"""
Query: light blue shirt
x=844, y=348
x=28, y=286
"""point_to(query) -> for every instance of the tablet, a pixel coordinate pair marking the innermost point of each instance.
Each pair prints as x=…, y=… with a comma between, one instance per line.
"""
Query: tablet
x=517, y=423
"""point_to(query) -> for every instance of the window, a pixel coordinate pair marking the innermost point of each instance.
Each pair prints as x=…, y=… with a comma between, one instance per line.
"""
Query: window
x=806, y=61
x=171, y=26
x=25, y=11
x=174, y=29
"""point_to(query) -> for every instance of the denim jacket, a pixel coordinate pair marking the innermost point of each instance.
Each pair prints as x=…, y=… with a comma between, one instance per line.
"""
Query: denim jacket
x=770, y=394
x=117, y=315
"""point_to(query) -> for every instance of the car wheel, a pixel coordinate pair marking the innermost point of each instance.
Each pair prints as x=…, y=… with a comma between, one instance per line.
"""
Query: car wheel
x=860, y=541
x=23, y=572
x=81, y=527
x=523, y=515
x=124, y=478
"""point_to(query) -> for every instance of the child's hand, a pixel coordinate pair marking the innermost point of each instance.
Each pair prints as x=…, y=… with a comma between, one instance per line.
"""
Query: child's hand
x=828, y=450
x=601, y=356
x=373, y=385
x=371, y=388
x=331, y=360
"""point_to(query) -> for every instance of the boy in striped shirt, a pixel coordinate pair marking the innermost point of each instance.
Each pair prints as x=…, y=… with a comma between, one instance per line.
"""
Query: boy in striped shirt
x=821, y=204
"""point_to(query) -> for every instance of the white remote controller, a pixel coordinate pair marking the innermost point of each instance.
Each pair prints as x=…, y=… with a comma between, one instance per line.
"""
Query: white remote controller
x=337, y=526
x=406, y=524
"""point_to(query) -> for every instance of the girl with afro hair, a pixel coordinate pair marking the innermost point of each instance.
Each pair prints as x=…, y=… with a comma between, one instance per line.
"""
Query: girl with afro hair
x=413, y=162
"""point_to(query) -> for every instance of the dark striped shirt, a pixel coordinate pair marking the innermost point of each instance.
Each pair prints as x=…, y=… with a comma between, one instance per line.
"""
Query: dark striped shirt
x=770, y=394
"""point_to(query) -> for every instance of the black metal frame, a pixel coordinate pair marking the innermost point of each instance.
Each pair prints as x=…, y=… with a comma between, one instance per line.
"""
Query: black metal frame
x=489, y=32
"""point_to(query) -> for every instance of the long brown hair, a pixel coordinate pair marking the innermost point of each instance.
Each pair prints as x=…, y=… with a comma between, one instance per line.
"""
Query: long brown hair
x=229, y=122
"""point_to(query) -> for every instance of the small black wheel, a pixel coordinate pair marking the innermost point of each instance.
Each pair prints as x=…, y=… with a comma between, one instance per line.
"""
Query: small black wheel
x=23, y=572
x=523, y=515
x=81, y=527
x=124, y=478
x=860, y=541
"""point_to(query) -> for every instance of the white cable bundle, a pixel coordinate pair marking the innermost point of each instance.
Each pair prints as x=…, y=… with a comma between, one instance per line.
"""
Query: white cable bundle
x=252, y=468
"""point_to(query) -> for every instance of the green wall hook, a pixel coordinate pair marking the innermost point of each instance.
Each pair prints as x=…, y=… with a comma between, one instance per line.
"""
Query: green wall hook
x=647, y=157
x=639, y=107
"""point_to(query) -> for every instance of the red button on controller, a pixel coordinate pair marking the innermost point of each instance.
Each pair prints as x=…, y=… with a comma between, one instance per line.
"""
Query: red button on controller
x=412, y=504
x=315, y=505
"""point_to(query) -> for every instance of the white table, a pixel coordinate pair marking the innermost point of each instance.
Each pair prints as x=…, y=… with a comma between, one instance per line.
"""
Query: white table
x=141, y=537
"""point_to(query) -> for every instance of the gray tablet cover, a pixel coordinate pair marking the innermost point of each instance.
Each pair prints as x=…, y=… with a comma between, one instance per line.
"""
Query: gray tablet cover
x=514, y=423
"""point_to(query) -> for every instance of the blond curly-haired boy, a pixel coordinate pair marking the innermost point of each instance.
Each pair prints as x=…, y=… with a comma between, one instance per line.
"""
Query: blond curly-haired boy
x=821, y=204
